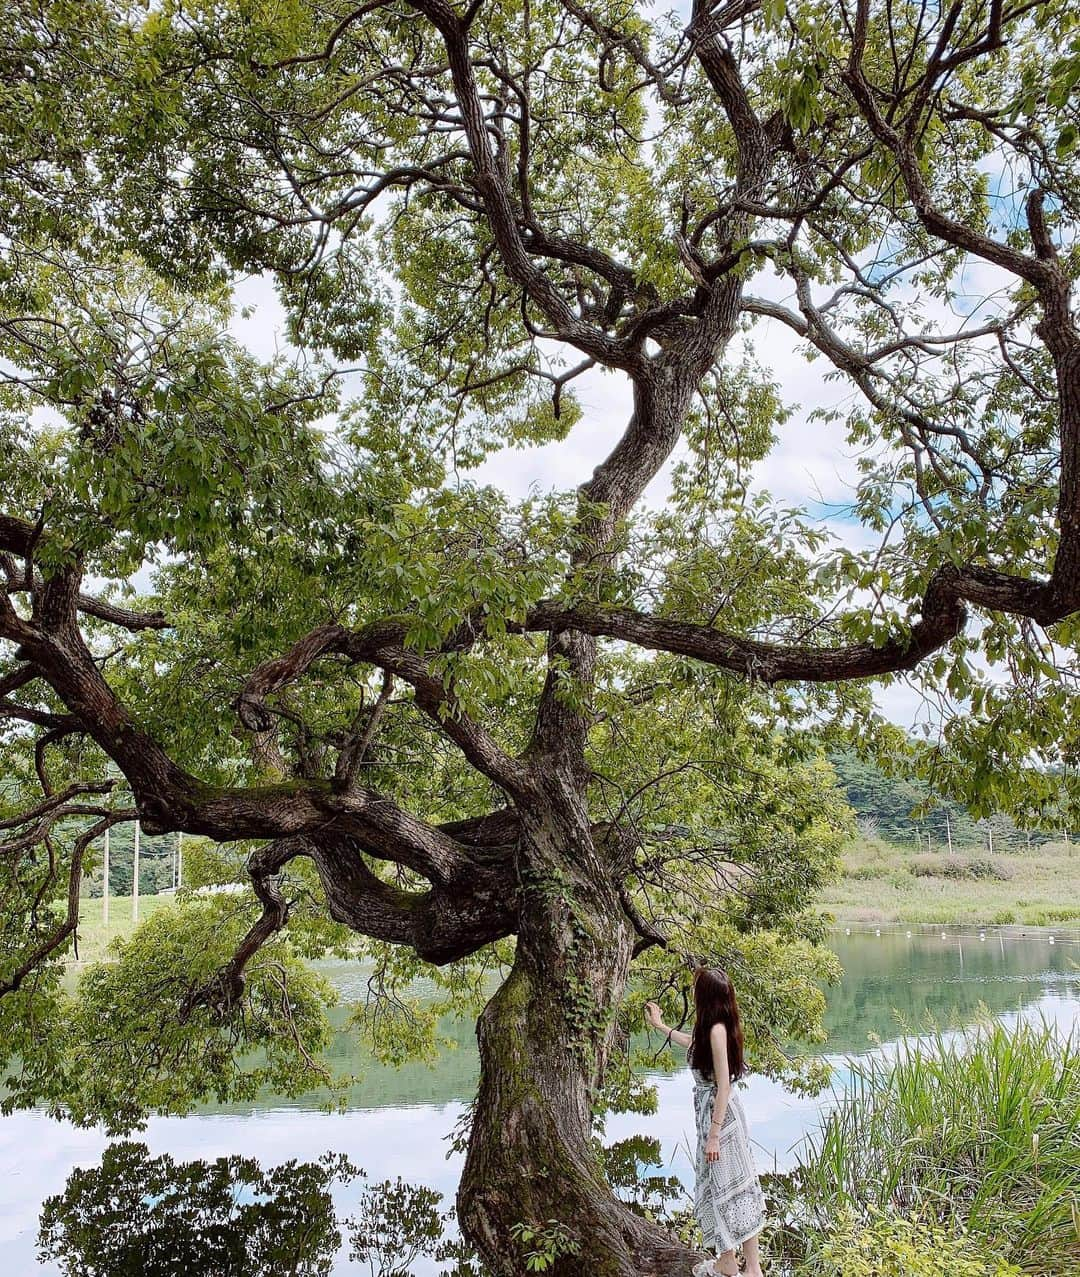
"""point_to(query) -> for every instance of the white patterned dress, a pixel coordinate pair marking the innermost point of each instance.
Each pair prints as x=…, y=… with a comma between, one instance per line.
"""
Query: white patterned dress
x=728, y=1202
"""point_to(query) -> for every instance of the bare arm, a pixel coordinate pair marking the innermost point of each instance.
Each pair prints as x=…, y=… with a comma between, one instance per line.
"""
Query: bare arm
x=655, y=1021
x=722, y=1073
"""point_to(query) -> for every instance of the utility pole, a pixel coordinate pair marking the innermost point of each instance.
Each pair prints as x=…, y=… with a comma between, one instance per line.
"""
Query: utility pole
x=948, y=830
x=179, y=859
x=135, y=878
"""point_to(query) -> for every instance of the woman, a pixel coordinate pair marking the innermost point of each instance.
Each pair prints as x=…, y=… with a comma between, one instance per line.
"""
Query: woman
x=728, y=1202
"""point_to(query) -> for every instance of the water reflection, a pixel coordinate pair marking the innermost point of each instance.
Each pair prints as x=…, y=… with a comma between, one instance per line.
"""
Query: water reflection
x=397, y=1122
x=896, y=981
x=137, y=1215
x=890, y=981
x=140, y=1215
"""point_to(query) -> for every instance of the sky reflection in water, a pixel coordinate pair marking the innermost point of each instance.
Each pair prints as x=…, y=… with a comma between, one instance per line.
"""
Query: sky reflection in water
x=398, y=1120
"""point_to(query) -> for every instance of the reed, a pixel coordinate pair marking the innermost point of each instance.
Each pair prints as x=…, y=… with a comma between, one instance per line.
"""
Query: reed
x=979, y=1132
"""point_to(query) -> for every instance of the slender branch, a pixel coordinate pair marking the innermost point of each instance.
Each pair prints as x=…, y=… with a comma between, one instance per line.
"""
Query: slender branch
x=226, y=988
x=51, y=804
x=71, y=920
x=499, y=208
x=383, y=644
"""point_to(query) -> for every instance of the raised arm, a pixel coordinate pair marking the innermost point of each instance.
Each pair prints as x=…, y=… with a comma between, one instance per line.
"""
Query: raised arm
x=655, y=1021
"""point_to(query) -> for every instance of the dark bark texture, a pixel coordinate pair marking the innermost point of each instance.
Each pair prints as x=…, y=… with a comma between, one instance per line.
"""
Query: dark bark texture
x=544, y=1041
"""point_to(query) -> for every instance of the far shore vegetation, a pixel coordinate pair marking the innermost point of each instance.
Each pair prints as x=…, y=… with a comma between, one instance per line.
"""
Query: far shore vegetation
x=881, y=882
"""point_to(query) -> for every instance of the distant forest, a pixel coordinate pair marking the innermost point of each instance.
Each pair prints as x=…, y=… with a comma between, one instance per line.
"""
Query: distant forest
x=884, y=806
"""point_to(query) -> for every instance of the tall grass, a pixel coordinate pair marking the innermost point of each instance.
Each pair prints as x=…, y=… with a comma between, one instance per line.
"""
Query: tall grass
x=979, y=1132
x=878, y=885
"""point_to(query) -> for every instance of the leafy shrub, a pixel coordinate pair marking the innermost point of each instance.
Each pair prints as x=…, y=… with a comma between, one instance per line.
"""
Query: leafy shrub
x=140, y=1037
x=138, y=1215
x=542, y=1245
x=1049, y=916
x=862, y=873
x=901, y=1246
x=977, y=868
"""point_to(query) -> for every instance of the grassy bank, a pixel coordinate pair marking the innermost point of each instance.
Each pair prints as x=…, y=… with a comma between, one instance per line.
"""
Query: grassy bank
x=94, y=936
x=884, y=883
x=958, y=1148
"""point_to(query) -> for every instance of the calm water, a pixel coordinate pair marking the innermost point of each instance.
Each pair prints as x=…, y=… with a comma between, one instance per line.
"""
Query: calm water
x=397, y=1120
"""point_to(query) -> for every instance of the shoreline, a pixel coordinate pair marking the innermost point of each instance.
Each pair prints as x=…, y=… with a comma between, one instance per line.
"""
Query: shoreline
x=881, y=884
x=1052, y=935
x=1064, y=933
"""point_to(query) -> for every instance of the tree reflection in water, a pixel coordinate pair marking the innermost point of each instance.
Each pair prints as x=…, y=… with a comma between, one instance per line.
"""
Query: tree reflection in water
x=136, y=1215
x=142, y=1216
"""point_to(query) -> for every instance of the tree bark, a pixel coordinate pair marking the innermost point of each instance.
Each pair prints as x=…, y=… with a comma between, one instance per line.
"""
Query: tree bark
x=544, y=1040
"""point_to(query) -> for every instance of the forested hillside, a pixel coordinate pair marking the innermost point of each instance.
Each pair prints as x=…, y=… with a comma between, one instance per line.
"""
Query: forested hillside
x=903, y=810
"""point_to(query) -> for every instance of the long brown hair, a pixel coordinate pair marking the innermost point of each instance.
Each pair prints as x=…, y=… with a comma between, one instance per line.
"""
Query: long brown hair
x=715, y=1003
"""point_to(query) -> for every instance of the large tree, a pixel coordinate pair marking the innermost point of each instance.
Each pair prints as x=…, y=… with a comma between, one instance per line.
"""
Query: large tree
x=565, y=720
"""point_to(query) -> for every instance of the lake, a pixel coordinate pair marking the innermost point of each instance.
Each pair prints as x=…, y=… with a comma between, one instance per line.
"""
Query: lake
x=396, y=1121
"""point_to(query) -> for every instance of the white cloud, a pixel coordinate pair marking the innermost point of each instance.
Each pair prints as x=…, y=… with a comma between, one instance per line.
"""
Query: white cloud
x=262, y=331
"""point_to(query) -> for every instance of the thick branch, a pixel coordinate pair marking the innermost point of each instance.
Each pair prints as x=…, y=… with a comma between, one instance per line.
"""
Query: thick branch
x=441, y=925
x=17, y=537
x=943, y=618
x=383, y=644
x=169, y=798
x=126, y=618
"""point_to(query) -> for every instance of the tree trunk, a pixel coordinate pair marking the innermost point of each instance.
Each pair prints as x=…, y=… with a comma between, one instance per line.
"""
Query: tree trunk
x=544, y=1039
